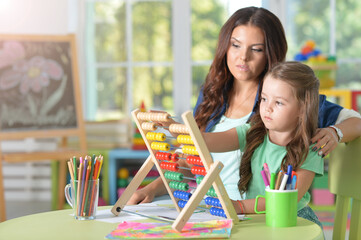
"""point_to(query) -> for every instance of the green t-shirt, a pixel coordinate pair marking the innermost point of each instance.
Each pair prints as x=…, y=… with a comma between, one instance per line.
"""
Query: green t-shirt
x=272, y=154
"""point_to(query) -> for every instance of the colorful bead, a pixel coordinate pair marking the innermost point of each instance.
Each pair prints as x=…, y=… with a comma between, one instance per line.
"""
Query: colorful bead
x=169, y=166
x=184, y=139
x=182, y=203
x=211, y=192
x=179, y=185
x=199, y=179
x=213, y=202
x=156, y=136
x=182, y=195
x=160, y=146
x=154, y=117
x=149, y=126
x=198, y=170
x=192, y=150
x=194, y=160
x=173, y=176
x=178, y=128
x=163, y=156
x=217, y=212
x=174, y=157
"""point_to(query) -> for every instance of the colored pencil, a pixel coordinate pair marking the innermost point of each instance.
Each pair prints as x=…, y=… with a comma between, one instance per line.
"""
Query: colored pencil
x=88, y=192
x=96, y=176
x=71, y=172
x=85, y=190
x=79, y=184
x=75, y=169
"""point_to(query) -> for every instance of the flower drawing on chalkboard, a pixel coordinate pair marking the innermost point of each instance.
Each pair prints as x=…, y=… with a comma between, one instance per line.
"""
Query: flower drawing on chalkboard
x=10, y=53
x=33, y=74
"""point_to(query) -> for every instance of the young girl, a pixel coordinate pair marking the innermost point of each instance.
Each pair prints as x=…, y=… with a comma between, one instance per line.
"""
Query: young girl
x=279, y=134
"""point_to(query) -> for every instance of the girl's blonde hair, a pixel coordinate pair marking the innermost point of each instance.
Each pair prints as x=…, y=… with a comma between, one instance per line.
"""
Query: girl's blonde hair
x=305, y=86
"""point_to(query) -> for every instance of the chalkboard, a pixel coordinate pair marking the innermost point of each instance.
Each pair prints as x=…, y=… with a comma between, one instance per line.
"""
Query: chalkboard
x=38, y=83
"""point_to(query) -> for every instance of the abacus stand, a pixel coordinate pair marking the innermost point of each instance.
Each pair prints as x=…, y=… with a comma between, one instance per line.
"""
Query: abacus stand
x=211, y=178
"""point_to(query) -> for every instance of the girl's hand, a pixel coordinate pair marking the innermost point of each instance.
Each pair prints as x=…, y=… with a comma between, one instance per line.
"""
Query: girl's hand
x=326, y=141
x=141, y=196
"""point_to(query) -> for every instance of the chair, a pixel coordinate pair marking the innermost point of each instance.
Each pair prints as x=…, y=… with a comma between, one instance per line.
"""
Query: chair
x=345, y=182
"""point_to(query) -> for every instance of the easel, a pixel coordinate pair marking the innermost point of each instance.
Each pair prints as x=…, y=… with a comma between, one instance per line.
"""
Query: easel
x=211, y=178
x=63, y=152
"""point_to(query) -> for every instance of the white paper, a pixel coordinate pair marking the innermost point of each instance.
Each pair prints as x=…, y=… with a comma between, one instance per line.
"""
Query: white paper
x=148, y=210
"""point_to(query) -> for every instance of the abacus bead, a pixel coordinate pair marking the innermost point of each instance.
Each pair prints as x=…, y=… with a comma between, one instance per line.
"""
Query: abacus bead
x=183, y=186
x=149, y=126
x=162, y=156
x=199, y=179
x=207, y=200
x=176, y=193
x=182, y=203
x=174, y=157
x=173, y=167
x=150, y=136
x=173, y=185
x=211, y=192
x=160, y=137
x=184, y=139
x=166, y=156
x=198, y=170
x=167, y=175
x=178, y=176
x=178, y=128
x=160, y=146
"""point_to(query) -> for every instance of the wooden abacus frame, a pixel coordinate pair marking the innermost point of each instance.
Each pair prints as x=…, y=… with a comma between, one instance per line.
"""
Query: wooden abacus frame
x=211, y=178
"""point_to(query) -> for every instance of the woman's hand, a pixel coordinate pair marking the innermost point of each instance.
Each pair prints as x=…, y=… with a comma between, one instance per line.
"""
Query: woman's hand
x=326, y=141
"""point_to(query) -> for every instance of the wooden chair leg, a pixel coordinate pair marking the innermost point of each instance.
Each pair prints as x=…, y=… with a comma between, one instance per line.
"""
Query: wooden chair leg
x=61, y=184
x=2, y=195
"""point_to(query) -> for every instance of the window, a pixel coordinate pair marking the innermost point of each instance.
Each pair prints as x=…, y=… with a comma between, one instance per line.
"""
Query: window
x=333, y=25
x=129, y=56
x=136, y=50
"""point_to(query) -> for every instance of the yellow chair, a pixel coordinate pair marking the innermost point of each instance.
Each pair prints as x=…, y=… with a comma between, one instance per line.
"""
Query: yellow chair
x=345, y=182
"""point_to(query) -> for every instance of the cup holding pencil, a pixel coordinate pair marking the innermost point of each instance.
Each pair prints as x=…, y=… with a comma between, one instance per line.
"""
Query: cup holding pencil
x=281, y=207
x=85, y=206
x=82, y=192
x=281, y=197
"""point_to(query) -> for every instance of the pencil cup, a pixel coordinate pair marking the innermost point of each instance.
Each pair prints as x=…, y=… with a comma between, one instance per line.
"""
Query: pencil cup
x=83, y=198
x=281, y=207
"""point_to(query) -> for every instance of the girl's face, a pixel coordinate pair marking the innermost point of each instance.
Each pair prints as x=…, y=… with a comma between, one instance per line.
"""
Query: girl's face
x=279, y=107
x=246, y=57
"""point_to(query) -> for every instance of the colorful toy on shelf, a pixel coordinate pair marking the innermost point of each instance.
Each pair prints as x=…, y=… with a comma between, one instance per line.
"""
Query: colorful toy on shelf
x=323, y=66
x=138, y=142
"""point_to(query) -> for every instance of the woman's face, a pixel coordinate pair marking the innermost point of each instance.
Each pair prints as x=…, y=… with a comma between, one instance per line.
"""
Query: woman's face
x=246, y=57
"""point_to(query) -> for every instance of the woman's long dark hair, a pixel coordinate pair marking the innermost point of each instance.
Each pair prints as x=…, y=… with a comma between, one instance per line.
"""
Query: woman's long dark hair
x=219, y=81
x=305, y=86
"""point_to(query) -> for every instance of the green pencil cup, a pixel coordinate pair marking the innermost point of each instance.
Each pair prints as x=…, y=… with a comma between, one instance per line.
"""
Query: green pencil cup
x=281, y=207
x=83, y=196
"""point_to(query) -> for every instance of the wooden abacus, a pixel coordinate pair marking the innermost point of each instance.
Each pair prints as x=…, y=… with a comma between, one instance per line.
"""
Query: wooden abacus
x=197, y=154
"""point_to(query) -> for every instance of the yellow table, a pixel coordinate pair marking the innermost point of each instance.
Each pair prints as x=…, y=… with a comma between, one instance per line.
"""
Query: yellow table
x=60, y=225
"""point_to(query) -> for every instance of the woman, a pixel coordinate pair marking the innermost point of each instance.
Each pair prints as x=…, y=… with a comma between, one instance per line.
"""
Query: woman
x=251, y=42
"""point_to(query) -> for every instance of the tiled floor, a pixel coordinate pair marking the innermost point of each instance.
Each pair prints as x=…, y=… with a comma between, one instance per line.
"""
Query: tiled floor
x=21, y=208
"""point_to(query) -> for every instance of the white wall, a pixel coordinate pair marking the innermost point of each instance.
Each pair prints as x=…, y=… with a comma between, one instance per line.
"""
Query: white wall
x=35, y=17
